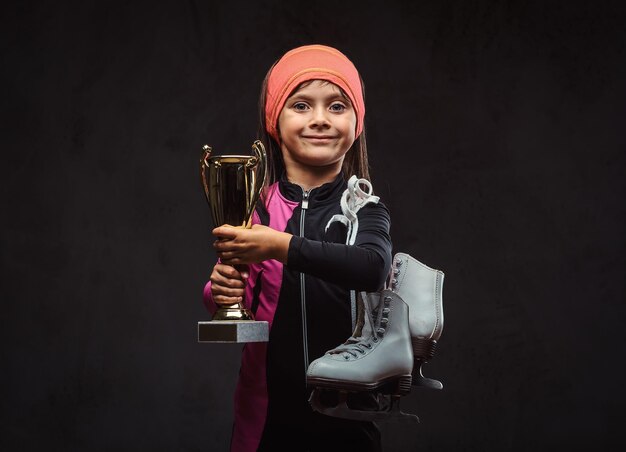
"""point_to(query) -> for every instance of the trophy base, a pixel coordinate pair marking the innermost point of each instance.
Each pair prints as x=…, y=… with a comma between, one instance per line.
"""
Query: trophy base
x=233, y=331
x=231, y=313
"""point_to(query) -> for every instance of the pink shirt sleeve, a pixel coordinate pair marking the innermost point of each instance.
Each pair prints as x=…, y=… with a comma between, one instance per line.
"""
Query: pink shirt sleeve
x=207, y=298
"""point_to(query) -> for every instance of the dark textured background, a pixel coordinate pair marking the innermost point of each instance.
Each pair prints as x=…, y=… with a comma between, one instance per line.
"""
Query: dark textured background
x=497, y=138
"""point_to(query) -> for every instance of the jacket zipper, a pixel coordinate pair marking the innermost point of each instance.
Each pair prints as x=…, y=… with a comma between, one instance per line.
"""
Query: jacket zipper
x=305, y=206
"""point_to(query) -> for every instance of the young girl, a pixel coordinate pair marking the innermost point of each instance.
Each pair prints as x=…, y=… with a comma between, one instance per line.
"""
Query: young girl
x=299, y=270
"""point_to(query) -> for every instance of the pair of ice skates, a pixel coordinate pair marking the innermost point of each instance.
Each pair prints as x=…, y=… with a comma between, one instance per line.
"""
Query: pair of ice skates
x=395, y=334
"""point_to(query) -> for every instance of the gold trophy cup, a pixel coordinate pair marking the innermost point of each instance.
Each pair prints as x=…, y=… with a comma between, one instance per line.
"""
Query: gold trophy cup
x=232, y=185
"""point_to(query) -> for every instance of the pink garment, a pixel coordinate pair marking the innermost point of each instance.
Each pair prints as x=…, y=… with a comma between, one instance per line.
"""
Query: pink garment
x=251, y=391
x=312, y=62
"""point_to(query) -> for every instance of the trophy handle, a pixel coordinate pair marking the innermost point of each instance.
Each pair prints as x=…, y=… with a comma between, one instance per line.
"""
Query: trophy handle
x=260, y=173
x=206, y=153
x=259, y=151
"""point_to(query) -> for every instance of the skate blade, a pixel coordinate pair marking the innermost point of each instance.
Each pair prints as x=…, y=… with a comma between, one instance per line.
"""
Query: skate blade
x=391, y=412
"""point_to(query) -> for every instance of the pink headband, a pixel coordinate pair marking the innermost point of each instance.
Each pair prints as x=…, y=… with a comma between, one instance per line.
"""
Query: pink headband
x=313, y=62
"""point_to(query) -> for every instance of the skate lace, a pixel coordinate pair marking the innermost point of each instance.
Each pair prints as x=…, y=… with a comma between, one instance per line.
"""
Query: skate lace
x=353, y=198
x=356, y=346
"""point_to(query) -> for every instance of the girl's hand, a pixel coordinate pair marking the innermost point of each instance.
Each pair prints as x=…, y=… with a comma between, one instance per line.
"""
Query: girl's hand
x=228, y=283
x=247, y=246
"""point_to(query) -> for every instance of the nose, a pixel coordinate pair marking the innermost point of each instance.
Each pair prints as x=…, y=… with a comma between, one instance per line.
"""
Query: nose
x=319, y=118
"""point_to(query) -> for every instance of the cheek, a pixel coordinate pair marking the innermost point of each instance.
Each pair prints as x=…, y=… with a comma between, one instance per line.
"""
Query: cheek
x=352, y=125
x=283, y=121
x=287, y=125
x=279, y=126
x=351, y=128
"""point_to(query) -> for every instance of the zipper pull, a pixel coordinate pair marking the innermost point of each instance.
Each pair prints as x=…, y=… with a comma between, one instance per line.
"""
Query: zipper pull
x=305, y=200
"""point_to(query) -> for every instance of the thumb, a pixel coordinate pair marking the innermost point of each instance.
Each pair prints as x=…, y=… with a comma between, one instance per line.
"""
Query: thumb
x=225, y=231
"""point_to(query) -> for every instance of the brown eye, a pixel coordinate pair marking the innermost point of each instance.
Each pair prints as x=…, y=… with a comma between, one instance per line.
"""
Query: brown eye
x=299, y=106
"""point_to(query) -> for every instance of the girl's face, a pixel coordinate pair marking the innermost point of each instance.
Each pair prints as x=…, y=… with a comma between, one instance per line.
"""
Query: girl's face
x=317, y=126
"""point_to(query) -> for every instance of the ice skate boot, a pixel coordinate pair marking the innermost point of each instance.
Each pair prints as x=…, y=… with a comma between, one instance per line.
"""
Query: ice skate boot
x=377, y=360
x=421, y=289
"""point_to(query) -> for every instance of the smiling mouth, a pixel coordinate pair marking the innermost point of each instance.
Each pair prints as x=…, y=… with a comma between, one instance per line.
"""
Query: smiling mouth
x=318, y=138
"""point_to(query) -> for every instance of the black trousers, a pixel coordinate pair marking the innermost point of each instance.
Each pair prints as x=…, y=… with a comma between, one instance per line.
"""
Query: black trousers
x=324, y=434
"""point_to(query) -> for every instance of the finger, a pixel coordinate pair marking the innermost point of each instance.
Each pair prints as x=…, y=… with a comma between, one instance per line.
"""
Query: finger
x=228, y=271
x=224, y=245
x=224, y=256
x=232, y=260
x=224, y=281
x=227, y=291
x=219, y=283
x=221, y=299
x=240, y=273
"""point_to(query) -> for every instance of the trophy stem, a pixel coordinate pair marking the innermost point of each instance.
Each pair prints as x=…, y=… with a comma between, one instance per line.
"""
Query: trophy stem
x=235, y=311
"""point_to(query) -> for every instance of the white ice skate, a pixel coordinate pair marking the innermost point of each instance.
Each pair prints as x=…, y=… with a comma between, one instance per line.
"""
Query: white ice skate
x=396, y=333
x=377, y=359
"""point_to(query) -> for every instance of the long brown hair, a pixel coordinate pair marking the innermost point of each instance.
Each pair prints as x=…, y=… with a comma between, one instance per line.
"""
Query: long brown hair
x=354, y=163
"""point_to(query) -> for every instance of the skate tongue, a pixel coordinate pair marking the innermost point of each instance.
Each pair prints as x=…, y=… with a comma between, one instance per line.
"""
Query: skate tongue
x=365, y=331
x=371, y=305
